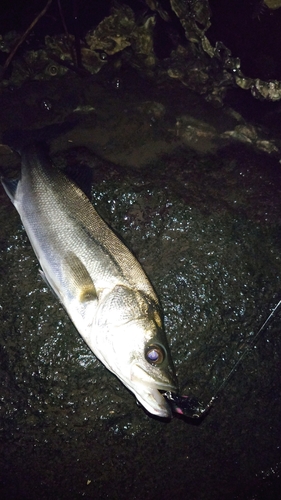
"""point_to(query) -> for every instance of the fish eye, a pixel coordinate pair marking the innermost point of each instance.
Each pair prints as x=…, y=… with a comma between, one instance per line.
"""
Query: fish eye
x=155, y=354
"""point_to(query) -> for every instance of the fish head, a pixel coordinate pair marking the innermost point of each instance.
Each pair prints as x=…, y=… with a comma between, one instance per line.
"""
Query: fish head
x=132, y=344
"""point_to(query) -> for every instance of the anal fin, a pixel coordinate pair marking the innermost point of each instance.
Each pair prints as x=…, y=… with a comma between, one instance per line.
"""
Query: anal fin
x=10, y=186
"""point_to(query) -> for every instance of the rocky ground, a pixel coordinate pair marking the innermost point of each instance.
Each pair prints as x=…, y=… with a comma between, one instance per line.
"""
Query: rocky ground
x=201, y=211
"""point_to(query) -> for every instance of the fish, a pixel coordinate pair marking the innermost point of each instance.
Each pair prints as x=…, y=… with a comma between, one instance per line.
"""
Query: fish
x=100, y=283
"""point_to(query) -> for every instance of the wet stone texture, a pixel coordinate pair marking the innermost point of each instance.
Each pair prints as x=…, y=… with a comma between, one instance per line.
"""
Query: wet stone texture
x=206, y=229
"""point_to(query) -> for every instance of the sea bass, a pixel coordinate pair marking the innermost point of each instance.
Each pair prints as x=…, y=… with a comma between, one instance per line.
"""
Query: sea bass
x=97, y=279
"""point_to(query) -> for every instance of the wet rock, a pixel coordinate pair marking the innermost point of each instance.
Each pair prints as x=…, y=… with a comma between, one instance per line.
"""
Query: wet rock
x=207, y=232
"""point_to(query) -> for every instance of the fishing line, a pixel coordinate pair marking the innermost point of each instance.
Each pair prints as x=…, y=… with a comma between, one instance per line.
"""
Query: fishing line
x=247, y=349
x=192, y=407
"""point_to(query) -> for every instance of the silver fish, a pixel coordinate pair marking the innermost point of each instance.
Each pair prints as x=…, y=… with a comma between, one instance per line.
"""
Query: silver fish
x=100, y=283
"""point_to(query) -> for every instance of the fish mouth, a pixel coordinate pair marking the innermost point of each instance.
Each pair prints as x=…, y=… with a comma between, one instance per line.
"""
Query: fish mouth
x=147, y=392
x=155, y=403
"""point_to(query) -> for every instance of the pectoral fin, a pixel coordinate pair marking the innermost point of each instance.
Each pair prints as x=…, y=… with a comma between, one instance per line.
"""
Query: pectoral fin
x=78, y=278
